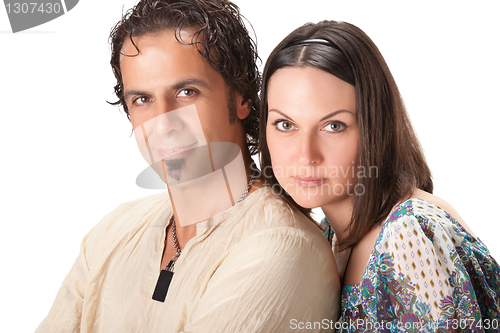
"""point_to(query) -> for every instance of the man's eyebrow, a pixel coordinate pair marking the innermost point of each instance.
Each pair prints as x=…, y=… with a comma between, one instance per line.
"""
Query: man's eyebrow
x=178, y=85
x=129, y=93
x=187, y=82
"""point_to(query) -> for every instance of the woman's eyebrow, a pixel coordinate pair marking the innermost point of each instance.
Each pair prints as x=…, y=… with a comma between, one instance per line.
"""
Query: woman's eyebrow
x=324, y=118
x=281, y=113
x=334, y=113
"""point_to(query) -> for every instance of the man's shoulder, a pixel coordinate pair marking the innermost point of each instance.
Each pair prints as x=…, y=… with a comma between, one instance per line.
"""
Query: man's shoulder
x=266, y=228
x=264, y=204
x=133, y=215
x=143, y=204
x=265, y=212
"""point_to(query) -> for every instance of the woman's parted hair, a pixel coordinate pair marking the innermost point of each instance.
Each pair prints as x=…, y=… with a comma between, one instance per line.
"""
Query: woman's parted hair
x=221, y=38
x=387, y=142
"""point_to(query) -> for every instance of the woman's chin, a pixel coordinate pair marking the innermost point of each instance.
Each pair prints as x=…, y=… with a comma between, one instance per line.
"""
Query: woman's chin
x=308, y=201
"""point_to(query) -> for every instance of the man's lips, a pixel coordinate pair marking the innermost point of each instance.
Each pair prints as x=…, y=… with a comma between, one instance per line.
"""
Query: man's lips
x=309, y=181
x=176, y=151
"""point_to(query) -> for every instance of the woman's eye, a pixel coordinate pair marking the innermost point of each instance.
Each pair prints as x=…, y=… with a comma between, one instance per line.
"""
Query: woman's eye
x=334, y=127
x=185, y=93
x=284, y=126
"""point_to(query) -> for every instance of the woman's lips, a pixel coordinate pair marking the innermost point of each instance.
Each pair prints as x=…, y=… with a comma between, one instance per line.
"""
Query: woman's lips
x=175, y=152
x=309, y=182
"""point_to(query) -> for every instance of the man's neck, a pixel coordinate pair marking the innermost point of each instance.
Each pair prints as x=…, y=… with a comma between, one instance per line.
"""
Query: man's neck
x=184, y=234
x=187, y=232
x=251, y=169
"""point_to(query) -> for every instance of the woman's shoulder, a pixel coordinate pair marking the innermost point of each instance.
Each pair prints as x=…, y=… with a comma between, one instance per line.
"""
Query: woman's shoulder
x=442, y=205
x=425, y=212
x=425, y=266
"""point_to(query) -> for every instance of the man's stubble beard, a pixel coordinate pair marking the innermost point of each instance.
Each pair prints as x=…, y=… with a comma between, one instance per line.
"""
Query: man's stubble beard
x=174, y=168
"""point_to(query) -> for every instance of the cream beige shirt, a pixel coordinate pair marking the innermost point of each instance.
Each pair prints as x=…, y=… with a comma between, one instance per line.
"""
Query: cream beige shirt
x=257, y=267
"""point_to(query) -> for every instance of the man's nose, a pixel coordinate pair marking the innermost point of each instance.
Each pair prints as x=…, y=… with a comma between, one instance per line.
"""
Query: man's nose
x=168, y=119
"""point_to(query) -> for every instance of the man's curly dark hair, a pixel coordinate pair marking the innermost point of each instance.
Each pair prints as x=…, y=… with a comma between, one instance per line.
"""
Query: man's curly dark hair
x=220, y=36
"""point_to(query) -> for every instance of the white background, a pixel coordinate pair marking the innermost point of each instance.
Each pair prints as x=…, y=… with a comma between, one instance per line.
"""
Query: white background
x=68, y=157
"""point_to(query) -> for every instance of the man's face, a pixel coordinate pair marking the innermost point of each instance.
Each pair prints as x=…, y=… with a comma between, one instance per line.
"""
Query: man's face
x=164, y=77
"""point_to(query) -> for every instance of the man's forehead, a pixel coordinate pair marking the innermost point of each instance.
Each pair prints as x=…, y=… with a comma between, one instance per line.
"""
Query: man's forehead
x=163, y=39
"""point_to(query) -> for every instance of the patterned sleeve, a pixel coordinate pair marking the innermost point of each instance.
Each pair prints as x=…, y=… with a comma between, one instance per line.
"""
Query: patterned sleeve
x=327, y=230
x=426, y=274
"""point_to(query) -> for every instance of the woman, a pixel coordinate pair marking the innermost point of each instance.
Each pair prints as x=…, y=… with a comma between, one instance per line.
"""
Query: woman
x=335, y=134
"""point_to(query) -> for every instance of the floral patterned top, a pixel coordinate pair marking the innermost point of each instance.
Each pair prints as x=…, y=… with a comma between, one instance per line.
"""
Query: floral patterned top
x=426, y=273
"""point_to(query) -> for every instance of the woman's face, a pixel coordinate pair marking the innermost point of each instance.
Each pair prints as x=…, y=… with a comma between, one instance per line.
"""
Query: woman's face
x=312, y=135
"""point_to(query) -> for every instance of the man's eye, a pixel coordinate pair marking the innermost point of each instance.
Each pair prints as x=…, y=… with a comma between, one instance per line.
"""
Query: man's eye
x=140, y=100
x=284, y=125
x=186, y=93
x=334, y=127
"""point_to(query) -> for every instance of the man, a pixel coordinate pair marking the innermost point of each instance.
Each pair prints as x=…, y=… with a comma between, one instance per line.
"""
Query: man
x=258, y=266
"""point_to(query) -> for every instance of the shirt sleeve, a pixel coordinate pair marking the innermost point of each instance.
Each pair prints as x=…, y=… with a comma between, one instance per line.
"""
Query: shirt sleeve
x=421, y=277
x=275, y=281
x=66, y=311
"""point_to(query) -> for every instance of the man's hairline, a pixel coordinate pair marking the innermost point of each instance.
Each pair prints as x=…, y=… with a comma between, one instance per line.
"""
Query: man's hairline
x=230, y=88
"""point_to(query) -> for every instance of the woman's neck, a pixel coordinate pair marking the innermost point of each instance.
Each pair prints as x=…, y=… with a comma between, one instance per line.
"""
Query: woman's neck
x=339, y=215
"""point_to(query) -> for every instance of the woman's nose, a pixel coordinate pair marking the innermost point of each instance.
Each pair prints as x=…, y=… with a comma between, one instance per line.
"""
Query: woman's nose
x=309, y=152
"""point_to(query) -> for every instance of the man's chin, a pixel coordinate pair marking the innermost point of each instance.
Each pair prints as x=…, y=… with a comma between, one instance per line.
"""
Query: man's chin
x=174, y=169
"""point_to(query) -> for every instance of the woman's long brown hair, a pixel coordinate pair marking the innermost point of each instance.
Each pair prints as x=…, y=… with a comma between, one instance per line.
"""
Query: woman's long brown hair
x=387, y=143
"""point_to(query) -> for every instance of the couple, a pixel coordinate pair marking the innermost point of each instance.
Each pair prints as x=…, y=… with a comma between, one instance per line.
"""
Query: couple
x=332, y=132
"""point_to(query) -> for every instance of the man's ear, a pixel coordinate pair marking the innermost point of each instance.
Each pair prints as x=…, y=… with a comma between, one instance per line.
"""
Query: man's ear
x=243, y=106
